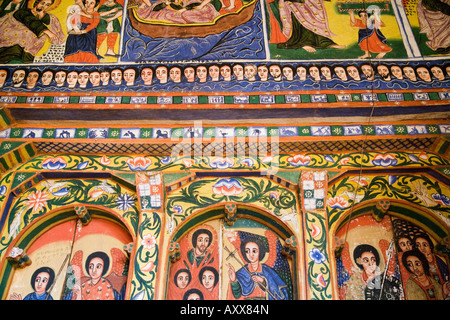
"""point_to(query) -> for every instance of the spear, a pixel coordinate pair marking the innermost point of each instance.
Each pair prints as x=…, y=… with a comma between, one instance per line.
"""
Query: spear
x=389, y=255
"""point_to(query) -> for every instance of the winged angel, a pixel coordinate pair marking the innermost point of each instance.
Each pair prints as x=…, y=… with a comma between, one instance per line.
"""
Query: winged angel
x=256, y=279
x=105, y=278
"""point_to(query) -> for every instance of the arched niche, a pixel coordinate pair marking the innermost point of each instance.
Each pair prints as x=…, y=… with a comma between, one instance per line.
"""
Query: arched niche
x=203, y=272
x=376, y=245
x=64, y=245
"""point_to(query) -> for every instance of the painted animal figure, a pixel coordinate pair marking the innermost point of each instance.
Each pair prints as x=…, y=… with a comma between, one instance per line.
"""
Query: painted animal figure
x=130, y=134
x=64, y=134
x=162, y=134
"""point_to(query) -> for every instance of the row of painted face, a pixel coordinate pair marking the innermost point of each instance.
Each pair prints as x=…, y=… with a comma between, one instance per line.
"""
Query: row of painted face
x=237, y=72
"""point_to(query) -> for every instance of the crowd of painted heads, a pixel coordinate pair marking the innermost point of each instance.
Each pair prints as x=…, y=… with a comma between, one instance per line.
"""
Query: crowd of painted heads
x=146, y=75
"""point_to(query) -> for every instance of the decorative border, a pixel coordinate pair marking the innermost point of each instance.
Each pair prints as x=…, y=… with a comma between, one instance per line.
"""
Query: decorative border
x=206, y=100
x=332, y=75
x=189, y=132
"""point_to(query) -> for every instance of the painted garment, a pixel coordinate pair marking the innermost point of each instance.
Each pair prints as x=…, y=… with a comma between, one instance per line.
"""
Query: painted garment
x=21, y=29
x=371, y=39
x=276, y=34
x=35, y=296
x=82, y=47
x=311, y=14
x=416, y=291
x=102, y=290
x=179, y=14
x=434, y=21
x=109, y=26
x=245, y=287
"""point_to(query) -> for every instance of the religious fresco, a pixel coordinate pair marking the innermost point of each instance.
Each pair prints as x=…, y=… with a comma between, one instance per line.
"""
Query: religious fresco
x=100, y=271
x=232, y=77
x=44, y=280
x=64, y=269
x=429, y=21
x=195, y=276
x=391, y=260
x=301, y=190
x=313, y=29
x=146, y=31
x=58, y=31
x=50, y=194
x=78, y=48
x=113, y=120
x=379, y=240
x=256, y=266
x=241, y=262
x=367, y=262
x=424, y=273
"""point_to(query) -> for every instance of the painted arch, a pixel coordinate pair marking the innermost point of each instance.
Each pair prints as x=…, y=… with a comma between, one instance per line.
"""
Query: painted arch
x=391, y=223
x=201, y=270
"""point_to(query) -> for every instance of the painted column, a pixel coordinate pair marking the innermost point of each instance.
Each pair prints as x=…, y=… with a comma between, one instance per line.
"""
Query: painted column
x=313, y=190
x=147, y=251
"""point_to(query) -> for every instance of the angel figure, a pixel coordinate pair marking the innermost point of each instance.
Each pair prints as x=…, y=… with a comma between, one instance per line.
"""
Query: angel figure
x=97, y=285
x=257, y=280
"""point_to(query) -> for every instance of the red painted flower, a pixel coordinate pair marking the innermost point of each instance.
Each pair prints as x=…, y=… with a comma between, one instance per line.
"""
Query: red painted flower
x=315, y=230
x=299, y=160
x=37, y=200
x=344, y=161
x=148, y=241
x=320, y=279
x=384, y=160
x=274, y=194
x=338, y=202
x=228, y=187
x=105, y=161
x=139, y=163
x=54, y=163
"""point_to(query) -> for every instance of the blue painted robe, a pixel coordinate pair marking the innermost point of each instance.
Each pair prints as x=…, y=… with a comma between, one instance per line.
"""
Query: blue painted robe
x=273, y=282
x=35, y=296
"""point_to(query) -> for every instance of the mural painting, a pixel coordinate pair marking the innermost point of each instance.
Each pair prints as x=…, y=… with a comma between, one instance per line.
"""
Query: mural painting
x=63, y=269
x=196, y=275
x=203, y=263
x=313, y=29
x=210, y=46
x=56, y=31
x=429, y=21
x=424, y=273
x=105, y=31
x=98, y=272
x=44, y=278
x=390, y=260
x=255, y=265
x=96, y=64
x=232, y=263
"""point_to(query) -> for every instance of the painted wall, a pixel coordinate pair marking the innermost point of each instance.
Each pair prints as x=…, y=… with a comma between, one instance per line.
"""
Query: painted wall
x=345, y=202
x=300, y=219
x=149, y=46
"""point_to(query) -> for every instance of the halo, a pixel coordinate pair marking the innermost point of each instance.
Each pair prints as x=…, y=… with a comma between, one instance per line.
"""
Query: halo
x=203, y=226
x=55, y=4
